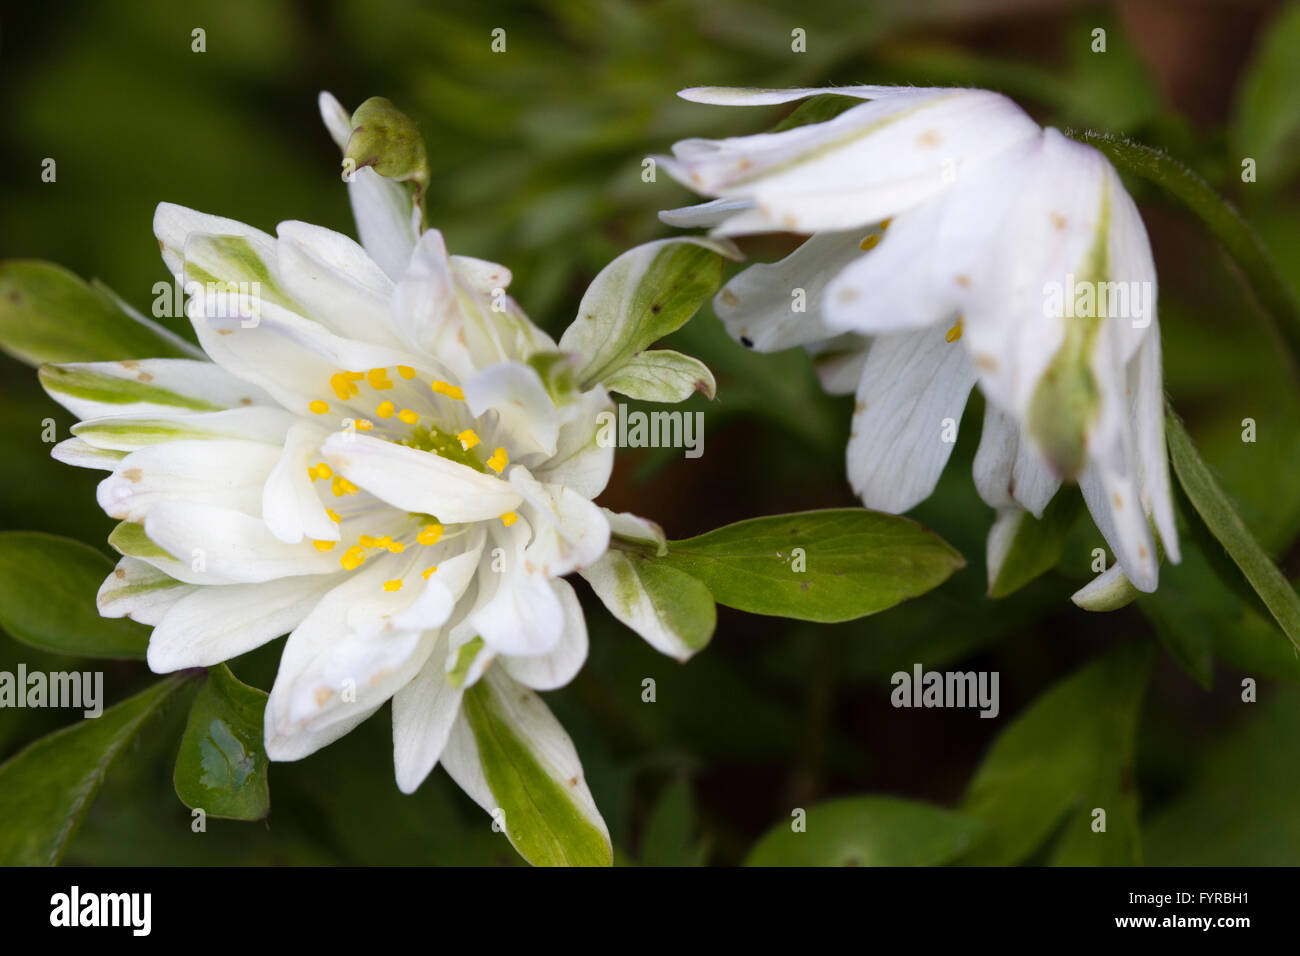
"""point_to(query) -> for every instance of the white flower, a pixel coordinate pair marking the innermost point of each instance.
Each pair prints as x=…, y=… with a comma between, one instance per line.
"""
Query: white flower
x=386, y=459
x=1024, y=267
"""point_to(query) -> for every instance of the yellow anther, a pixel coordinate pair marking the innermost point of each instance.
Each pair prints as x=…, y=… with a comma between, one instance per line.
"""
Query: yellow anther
x=869, y=242
x=954, y=333
x=397, y=547
x=884, y=223
x=378, y=378
x=352, y=558
x=509, y=518
x=324, y=545
x=333, y=515
x=343, y=386
x=353, y=376
x=498, y=461
x=408, y=416
x=393, y=585
x=468, y=439
x=428, y=571
x=429, y=534
x=364, y=424
x=318, y=407
x=341, y=486
x=385, y=409
x=323, y=470
x=366, y=541
x=446, y=388
x=406, y=371
x=384, y=542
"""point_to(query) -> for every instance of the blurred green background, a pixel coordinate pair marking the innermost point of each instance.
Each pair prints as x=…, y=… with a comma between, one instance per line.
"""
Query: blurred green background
x=536, y=156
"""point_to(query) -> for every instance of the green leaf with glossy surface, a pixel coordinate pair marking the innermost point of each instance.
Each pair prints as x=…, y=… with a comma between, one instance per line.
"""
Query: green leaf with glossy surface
x=869, y=831
x=1069, y=754
x=222, y=768
x=640, y=297
x=1267, y=127
x=46, y=789
x=47, y=598
x=47, y=314
x=831, y=565
x=1222, y=521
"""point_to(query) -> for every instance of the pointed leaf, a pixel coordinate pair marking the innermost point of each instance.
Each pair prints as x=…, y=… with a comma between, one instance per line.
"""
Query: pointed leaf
x=1037, y=544
x=46, y=789
x=662, y=375
x=671, y=610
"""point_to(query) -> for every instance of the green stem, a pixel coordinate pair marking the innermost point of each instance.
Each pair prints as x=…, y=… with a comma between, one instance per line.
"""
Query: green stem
x=1240, y=241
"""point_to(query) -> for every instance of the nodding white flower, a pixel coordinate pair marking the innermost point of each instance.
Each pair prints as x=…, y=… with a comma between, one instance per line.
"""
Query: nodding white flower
x=384, y=458
x=1026, y=269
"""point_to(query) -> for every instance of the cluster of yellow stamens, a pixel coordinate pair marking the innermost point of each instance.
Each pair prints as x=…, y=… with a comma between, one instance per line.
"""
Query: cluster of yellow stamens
x=346, y=385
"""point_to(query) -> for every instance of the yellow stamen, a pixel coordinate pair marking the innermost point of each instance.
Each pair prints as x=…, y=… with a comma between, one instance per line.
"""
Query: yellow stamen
x=446, y=388
x=384, y=542
x=352, y=558
x=343, y=386
x=954, y=333
x=498, y=461
x=393, y=585
x=341, y=486
x=869, y=243
x=385, y=409
x=364, y=424
x=324, y=545
x=428, y=571
x=397, y=547
x=468, y=439
x=366, y=541
x=408, y=416
x=318, y=407
x=509, y=518
x=323, y=470
x=378, y=378
x=333, y=515
x=406, y=371
x=429, y=534
x=884, y=224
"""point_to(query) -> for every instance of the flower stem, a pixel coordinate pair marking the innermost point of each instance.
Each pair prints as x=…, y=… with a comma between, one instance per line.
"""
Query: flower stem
x=1241, y=241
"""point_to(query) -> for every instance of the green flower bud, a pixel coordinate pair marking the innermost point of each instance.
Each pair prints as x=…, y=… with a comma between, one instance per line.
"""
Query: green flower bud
x=386, y=139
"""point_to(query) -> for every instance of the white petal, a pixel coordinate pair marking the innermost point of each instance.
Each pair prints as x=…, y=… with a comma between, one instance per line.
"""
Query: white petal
x=139, y=591
x=1149, y=439
x=80, y=454
x=225, y=473
x=232, y=547
x=290, y=504
x=758, y=307
x=569, y=531
x=581, y=461
x=337, y=120
x=524, y=408
x=218, y=623
x=1001, y=536
x=174, y=225
x=1114, y=502
x=749, y=96
x=517, y=611
x=484, y=277
x=914, y=388
x=265, y=424
x=147, y=387
x=562, y=663
x=388, y=221
x=1008, y=472
x=419, y=481
x=706, y=214
x=423, y=713
x=839, y=362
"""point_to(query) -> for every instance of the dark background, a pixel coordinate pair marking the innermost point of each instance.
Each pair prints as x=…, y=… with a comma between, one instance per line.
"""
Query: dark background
x=536, y=157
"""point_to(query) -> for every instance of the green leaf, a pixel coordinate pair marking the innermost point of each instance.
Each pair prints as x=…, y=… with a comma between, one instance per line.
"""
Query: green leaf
x=832, y=565
x=1036, y=543
x=1222, y=521
x=640, y=297
x=662, y=375
x=869, y=831
x=222, y=768
x=1069, y=754
x=47, y=314
x=666, y=839
x=1267, y=127
x=46, y=789
x=671, y=610
x=533, y=775
x=47, y=598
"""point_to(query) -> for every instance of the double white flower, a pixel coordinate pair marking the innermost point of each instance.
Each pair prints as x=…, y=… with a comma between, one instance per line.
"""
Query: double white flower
x=954, y=241
x=384, y=458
